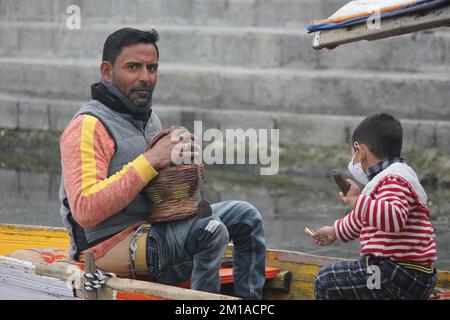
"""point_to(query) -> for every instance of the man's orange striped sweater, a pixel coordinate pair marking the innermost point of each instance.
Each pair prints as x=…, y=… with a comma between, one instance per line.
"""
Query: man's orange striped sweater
x=86, y=151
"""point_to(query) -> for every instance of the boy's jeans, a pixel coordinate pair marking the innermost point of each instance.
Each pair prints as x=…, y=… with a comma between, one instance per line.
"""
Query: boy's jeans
x=193, y=248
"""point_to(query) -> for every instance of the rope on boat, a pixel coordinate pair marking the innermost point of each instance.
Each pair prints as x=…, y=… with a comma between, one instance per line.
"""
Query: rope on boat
x=96, y=280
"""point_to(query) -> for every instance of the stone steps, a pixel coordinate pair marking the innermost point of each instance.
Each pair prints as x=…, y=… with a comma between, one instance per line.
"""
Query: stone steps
x=313, y=130
x=261, y=47
x=229, y=63
x=186, y=12
x=338, y=92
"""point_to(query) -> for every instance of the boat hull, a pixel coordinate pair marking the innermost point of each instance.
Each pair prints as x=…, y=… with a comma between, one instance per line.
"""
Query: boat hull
x=300, y=269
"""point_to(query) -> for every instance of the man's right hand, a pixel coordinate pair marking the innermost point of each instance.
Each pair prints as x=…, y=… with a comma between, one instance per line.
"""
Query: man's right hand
x=160, y=154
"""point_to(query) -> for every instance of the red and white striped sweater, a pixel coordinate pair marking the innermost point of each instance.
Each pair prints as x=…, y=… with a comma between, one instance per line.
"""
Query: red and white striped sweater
x=391, y=219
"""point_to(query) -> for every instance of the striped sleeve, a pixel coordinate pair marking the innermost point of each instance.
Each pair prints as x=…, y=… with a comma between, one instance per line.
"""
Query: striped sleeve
x=387, y=212
x=86, y=151
x=347, y=228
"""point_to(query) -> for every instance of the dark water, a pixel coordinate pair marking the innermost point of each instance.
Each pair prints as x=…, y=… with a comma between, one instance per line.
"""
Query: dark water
x=287, y=203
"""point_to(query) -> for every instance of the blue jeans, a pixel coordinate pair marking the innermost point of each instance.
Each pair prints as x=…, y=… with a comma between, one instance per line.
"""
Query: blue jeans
x=193, y=248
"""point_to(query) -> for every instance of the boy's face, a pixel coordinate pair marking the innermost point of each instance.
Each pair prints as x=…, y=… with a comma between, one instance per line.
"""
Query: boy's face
x=359, y=154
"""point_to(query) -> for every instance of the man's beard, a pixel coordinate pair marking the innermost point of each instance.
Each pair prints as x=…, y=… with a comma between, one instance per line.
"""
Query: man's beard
x=140, y=95
x=140, y=99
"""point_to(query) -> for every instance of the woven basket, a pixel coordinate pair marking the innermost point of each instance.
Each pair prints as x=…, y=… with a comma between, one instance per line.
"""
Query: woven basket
x=173, y=194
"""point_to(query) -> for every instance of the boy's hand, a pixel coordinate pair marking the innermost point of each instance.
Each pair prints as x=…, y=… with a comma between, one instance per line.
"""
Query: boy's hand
x=352, y=194
x=324, y=236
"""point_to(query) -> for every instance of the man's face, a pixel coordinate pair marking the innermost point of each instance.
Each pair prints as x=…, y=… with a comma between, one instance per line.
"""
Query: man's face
x=135, y=72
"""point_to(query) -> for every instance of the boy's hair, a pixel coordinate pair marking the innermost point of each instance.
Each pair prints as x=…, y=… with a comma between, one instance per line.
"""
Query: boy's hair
x=382, y=134
x=125, y=37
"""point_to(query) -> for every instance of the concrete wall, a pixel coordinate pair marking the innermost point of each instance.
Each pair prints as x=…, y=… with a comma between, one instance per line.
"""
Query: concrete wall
x=231, y=63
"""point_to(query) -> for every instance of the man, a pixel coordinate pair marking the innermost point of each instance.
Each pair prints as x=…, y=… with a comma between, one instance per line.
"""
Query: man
x=104, y=170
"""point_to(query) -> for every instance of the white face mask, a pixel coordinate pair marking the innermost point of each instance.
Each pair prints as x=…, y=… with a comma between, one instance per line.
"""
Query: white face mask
x=357, y=171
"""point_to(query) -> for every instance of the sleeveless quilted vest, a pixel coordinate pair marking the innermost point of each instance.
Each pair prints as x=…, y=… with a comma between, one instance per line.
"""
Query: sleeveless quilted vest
x=131, y=138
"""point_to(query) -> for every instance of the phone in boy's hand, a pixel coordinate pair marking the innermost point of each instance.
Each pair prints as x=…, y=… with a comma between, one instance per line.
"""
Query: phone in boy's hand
x=343, y=184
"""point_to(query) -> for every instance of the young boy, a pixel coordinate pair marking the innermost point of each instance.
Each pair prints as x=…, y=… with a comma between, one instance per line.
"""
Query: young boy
x=391, y=218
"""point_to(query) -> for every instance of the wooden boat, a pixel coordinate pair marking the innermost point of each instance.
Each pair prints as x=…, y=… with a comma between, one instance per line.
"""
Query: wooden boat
x=389, y=27
x=291, y=274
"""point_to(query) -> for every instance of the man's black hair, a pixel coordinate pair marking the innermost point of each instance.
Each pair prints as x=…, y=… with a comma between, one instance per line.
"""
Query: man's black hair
x=382, y=134
x=124, y=38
